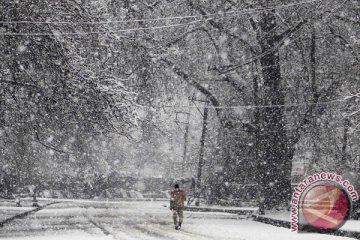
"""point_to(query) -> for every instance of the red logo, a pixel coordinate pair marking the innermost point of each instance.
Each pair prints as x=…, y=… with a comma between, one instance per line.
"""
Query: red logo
x=325, y=206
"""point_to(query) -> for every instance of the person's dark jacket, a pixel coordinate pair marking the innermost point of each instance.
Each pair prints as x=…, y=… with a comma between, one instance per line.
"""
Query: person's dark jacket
x=177, y=199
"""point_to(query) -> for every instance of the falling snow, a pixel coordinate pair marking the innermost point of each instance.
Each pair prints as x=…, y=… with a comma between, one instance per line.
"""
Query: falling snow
x=117, y=101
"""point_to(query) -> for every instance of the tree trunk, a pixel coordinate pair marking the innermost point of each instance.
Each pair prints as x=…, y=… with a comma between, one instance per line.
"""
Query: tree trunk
x=345, y=142
x=201, y=154
x=275, y=162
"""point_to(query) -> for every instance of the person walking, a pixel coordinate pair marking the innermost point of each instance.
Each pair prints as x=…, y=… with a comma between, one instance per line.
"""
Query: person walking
x=177, y=199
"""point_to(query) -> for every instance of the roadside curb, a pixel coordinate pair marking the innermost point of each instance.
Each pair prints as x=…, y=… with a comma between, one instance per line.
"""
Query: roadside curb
x=286, y=224
x=107, y=200
x=207, y=209
x=24, y=214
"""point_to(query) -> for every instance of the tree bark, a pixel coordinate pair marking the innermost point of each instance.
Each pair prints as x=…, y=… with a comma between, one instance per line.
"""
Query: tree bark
x=345, y=141
x=275, y=163
x=201, y=154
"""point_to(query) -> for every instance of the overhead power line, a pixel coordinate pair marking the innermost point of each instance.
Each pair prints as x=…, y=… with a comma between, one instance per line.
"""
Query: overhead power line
x=101, y=32
x=204, y=17
x=162, y=19
x=267, y=106
x=248, y=10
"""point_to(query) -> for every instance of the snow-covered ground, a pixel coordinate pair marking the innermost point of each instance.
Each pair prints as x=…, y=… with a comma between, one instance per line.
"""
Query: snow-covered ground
x=140, y=220
x=67, y=235
x=350, y=225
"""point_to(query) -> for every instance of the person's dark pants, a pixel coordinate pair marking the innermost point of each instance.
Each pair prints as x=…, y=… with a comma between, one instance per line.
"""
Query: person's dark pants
x=178, y=215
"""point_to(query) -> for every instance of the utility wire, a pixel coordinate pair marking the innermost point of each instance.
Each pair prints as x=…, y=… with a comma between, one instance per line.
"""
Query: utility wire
x=235, y=12
x=232, y=14
x=267, y=106
x=104, y=32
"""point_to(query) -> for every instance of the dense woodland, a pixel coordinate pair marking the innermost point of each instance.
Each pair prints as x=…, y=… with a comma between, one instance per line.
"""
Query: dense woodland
x=230, y=92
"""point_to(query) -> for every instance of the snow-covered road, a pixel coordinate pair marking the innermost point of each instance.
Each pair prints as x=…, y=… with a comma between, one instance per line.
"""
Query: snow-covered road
x=140, y=220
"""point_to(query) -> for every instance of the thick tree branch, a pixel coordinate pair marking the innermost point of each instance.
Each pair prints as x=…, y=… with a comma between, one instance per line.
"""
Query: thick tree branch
x=345, y=43
x=184, y=35
x=225, y=77
x=290, y=32
x=48, y=146
x=295, y=137
x=348, y=20
x=195, y=84
x=220, y=27
x=280, y=38
x=19, y=84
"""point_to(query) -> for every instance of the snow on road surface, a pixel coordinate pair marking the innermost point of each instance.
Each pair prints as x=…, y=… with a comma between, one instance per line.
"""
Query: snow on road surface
x=350, y=225
x=69, y=235
x=140, y=220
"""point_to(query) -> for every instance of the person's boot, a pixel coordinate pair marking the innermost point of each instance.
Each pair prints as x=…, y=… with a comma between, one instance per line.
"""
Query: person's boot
x=179, y=226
